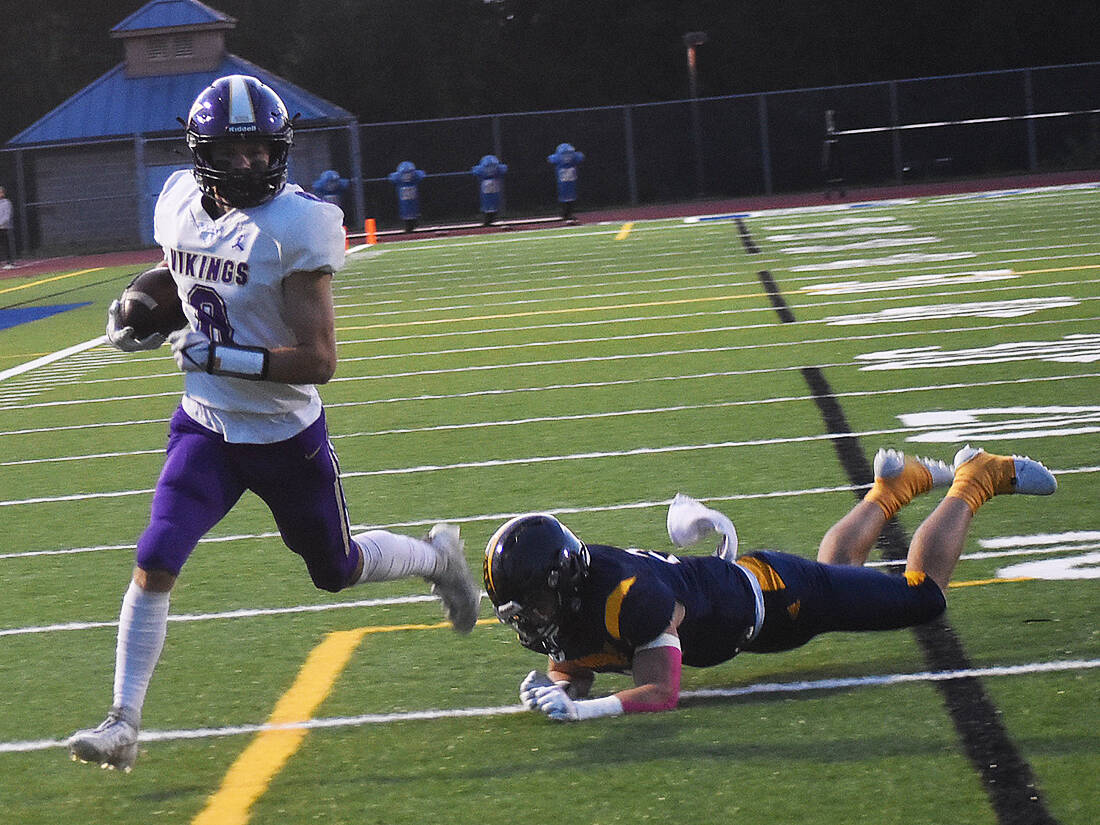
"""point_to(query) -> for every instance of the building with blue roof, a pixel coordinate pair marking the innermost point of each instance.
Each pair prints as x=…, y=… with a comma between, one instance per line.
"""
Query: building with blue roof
x=89, y=171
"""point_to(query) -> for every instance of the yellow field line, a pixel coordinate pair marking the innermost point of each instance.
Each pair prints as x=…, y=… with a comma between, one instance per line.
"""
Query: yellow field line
x=979, y=582
x=625, y=231
x=47, y=280
x=1056, y=269
x=250, y=775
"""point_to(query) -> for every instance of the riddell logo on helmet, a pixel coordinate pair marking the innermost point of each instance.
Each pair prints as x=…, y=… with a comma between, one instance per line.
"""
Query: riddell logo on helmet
x=248, y=127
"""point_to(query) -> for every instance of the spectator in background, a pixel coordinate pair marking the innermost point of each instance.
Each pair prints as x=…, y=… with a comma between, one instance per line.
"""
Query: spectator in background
x=7, y=242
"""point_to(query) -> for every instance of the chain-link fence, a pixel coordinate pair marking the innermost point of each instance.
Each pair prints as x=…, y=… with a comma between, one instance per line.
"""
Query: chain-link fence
x=964, y=126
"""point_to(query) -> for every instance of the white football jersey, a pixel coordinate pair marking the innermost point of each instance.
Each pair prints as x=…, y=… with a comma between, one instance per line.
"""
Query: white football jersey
x=229, y=275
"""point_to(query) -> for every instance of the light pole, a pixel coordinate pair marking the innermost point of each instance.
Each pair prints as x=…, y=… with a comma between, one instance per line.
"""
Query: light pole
x=691, y=41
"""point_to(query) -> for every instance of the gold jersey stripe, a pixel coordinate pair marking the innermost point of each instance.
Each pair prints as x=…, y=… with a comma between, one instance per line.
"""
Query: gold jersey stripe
x=765, y=574
x=614, y=606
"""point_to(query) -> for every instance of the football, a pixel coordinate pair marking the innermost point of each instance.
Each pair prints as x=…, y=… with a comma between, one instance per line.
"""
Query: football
x=151, y=304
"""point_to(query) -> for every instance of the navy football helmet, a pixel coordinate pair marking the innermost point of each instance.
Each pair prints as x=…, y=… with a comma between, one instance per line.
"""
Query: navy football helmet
x=237, y=108
x=534, y=568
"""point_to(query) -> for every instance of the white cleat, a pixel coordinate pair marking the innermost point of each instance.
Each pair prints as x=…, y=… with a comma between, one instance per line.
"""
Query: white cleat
x=889, y=463
x=1026, y=476
x=113, y=744
x=461, y=598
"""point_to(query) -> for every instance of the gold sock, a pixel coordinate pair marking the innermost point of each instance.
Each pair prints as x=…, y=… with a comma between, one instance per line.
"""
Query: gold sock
x=891, y=494
x=981, y=478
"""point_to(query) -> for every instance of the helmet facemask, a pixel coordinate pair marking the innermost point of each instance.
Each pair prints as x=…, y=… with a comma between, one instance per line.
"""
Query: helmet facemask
x=239, y=187
x=537, y=623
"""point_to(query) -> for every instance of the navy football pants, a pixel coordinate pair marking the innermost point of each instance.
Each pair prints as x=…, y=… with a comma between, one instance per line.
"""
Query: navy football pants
x=803, y=598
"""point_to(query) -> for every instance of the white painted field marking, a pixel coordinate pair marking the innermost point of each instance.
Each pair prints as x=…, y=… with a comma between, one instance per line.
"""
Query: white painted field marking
x=551, y=362
x=847, y=221
x=49, y=359
x=999, y=423
x=1074, y=567
x=1068, y=546
x=495, y=330
x=902, y=353
x=561, y=511
x=427, y=316
x=801, y=210
x=763, y=688
x=81, y=401
x=890, y=261
x=708, y=262
x=855, y=232
x=883, y=243
x=1015, y=308
x=244, y=613
x=907, y=282
x=1076, y=348
x=85, y=457
x=508, y=462
x=1082, y=565
x=1044, y=540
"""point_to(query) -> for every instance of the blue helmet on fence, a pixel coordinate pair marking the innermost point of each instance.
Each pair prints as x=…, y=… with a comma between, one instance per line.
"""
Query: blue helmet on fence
x=239, y=108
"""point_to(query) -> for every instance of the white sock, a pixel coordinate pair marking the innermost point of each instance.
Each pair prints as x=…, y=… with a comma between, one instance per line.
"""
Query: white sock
x=142, y=626
x=388, y=556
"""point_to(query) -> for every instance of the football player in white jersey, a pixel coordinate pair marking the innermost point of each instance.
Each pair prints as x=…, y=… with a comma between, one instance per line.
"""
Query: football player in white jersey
x=253, y=258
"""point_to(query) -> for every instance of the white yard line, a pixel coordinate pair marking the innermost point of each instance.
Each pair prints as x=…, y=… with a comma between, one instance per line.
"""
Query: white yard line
x=760, y=689
x=53, y=356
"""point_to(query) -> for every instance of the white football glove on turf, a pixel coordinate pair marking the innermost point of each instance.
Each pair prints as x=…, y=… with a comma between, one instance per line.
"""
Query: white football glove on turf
x=539, y=692
x=123, y=337
x=527, y=688
x=553, y=701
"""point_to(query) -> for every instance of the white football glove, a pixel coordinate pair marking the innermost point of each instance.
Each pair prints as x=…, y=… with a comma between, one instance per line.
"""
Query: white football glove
x=527, y=687
x=191, y=350
x=123, y=337
x=553, y=701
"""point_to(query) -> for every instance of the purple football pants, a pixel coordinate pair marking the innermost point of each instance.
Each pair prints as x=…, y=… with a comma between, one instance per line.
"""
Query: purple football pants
x=298, y=479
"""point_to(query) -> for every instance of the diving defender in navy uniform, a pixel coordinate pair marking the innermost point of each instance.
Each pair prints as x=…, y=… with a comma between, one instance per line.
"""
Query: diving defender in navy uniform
x=594, y=608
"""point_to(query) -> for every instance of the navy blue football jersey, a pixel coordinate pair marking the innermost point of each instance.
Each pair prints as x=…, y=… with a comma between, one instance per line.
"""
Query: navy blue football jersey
x=628, y=600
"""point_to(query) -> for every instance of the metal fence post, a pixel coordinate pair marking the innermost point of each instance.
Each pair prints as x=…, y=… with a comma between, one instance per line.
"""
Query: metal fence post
x=498, y=150
x=140, y=195
x=631, y=171
x=24, y=234
x=765, y=149
x=356, y=173
x=895, y=135
x=1029, y=108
